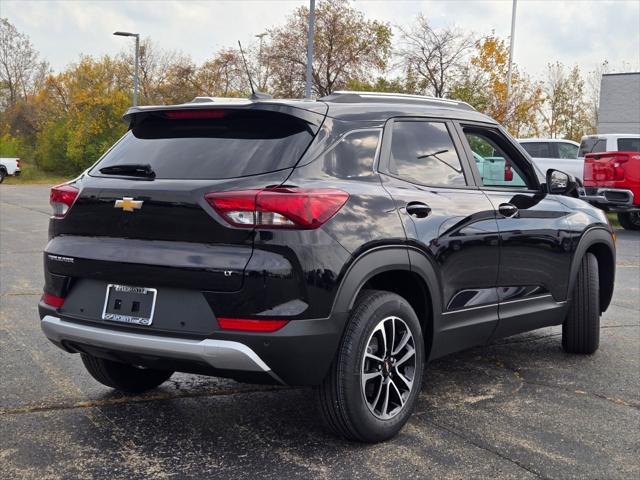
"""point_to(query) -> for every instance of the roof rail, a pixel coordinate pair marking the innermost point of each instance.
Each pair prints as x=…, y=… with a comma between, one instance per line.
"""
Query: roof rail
x=344, y=96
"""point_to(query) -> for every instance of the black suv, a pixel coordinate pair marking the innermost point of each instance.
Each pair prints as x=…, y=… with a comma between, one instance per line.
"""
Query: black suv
x=339, y=243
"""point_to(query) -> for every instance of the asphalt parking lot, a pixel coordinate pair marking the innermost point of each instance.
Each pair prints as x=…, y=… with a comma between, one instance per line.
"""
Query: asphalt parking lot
x=518, y=408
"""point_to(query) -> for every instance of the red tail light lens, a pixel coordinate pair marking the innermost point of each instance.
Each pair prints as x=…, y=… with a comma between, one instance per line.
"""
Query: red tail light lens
x=61, y=199
x=17, y=162
x=508, y=173
x=248, y=325
x=52, y=300
x=607, y=166
x=291, y=208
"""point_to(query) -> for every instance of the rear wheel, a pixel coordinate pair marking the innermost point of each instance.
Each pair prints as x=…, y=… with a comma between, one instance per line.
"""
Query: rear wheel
x=2, y=175
x=375, y=379
x=122, y=376
x=630, y=220
x=581, y=328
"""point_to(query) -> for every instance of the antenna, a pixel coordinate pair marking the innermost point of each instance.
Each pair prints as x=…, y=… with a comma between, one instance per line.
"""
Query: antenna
x=246, y=67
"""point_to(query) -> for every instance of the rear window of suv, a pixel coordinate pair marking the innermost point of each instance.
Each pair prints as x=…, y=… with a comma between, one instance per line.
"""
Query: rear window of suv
x=629, y=144
x=228, y=144
x=592, y=145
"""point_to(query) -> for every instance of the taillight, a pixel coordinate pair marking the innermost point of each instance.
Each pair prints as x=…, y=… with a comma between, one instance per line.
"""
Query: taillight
x=52, y=300
x=292, y=208
x=17, y=163
x=508, y=173
x=250, y=325
x=607, y=166
x=618, y=169
x=61, y=199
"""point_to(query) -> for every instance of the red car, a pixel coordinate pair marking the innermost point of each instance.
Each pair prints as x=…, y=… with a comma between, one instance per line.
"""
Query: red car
x=612, y=182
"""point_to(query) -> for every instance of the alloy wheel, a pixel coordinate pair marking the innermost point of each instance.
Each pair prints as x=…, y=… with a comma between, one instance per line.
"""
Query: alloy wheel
x=388, y=368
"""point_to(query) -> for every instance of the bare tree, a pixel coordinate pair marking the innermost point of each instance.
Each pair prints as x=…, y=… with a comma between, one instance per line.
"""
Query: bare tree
x=223, y=75
x=20, y=68
x=435, y=56
x=566, y=109
x=594, y=80
x=347, y=46
x=159, y=71
x=555, y=93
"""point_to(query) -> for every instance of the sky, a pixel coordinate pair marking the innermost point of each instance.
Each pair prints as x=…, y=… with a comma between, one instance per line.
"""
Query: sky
x=574, y=32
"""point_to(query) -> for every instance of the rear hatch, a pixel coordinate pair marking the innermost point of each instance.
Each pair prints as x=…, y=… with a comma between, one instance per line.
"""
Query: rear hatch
x=141, y=216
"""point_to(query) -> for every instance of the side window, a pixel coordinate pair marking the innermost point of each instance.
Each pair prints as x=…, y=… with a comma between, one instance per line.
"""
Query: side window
x=496, y=167
x=423, y=152
x=629, y=144
x=353, y=156
x=567, y=150
x=537, y=149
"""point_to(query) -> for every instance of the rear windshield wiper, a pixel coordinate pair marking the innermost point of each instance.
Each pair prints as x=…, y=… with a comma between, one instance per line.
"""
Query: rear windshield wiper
x=130, y=170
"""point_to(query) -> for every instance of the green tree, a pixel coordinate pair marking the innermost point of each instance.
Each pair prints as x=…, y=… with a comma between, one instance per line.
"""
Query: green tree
x=483, y=84
x=82, y=115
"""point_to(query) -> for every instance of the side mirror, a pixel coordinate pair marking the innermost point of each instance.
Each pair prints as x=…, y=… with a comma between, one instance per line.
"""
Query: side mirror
x=560, y=183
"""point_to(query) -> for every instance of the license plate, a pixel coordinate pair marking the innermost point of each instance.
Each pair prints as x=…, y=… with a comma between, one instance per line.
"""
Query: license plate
x=127, y=304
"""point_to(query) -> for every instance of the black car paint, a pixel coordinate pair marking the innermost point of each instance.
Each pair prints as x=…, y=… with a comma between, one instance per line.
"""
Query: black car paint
x=483, y=275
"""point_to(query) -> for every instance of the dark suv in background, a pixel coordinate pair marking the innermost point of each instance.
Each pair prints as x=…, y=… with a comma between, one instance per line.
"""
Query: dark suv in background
x=339, y=243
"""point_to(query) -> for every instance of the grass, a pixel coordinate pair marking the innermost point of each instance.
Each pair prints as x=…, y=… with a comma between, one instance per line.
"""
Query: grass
x=613, y=218
x=30, y=174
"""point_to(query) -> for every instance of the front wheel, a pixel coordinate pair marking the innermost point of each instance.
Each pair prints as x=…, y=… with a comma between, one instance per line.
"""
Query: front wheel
x=124, y=377
x=630, y=220
x=374, y=382
x=581, y=328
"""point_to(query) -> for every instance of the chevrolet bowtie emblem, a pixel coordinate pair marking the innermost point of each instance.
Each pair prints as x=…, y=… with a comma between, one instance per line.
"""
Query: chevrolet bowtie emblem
x=128, y=204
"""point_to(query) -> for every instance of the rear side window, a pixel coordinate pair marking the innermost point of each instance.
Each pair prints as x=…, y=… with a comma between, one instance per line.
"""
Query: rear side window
x=567, y=150
x=538, y=149
x=592, y=145
x=227, y=144
x=353, y=156
x=423, y=152
x=629, y=144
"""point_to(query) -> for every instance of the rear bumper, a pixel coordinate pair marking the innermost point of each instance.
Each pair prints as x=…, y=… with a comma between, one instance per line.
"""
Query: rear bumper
x=298, y=354
x=614, y=199
x=219, y=354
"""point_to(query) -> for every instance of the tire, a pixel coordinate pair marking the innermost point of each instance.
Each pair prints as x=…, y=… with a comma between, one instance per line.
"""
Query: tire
x=122, y=376
x=581, y=328
x=343, y=401
x=630, y=220
x=2, y=175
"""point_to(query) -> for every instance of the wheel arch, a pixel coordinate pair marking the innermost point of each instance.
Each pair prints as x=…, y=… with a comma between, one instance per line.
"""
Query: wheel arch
x=391, y=269
x=600, y=243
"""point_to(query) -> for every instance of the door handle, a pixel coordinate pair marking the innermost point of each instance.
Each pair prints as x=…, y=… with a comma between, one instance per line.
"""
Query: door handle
x=508, y=210
x=418, y=209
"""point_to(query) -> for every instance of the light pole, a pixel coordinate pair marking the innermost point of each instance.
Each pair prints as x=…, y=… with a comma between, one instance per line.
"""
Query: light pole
x=135, y=68
x=511, y=41
x=261, y=37
x=312, y=25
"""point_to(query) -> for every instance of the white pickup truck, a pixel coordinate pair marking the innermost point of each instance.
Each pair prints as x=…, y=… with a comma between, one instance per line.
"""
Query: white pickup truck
x=9, y=166
x=555, y=153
